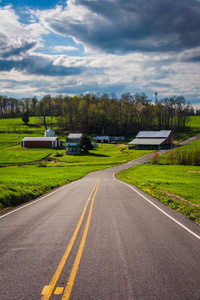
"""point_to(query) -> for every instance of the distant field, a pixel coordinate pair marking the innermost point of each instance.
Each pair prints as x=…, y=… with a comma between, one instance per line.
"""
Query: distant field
x=18, y=155
x=103, y=155
x=106, y=154
x=17, y=125
x=195, y=122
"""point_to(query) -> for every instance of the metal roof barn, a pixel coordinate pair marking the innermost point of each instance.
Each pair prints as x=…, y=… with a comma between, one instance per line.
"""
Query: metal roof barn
x=154, y=134
x=152, y=139
x=147, y=142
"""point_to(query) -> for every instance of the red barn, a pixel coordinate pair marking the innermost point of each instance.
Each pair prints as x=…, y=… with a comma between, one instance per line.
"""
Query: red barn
x=152, y=139
x=41, y=142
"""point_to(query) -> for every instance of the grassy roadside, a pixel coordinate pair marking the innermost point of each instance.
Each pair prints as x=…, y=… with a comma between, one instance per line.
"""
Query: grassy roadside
x=174, y=185
x=21, y=184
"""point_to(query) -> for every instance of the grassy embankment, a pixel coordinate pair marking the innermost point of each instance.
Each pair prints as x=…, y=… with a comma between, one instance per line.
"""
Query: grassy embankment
x=28, y=173
x=173, y=179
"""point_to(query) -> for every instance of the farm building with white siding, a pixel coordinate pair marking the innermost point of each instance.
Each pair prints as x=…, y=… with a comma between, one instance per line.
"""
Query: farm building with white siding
x=73, y=143
x=108, y=139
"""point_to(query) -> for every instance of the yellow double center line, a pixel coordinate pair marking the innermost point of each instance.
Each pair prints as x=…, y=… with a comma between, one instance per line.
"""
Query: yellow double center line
x=47, y=291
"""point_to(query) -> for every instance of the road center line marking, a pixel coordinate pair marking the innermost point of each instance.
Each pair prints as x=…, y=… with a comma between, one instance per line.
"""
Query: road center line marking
x=72, y=277
x=180, y=224
x=47, y=291
x=59, y=290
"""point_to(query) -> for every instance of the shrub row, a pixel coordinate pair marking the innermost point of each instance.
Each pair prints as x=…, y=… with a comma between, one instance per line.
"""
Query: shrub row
x=186, y=155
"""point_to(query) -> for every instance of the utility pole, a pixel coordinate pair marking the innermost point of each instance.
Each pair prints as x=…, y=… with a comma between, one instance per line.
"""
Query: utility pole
x=156, y=98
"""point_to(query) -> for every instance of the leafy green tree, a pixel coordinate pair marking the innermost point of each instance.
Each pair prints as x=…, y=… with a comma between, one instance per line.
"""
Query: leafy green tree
x=85, y=143
x=45, y=110
x=34, y=101
x=25, y=118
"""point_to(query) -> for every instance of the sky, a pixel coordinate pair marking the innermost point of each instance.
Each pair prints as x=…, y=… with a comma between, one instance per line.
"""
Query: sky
x=96, y=46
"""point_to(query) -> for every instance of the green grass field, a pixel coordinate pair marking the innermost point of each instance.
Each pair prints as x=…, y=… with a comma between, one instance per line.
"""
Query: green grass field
x=16, y=125
x=195, y=122
x=38, y=171
x=194, y=127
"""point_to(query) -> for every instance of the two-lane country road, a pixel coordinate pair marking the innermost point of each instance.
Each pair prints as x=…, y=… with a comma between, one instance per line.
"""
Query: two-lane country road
x=98, y=238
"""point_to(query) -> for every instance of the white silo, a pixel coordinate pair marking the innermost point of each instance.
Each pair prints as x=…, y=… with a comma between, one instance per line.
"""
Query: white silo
x=49, y=133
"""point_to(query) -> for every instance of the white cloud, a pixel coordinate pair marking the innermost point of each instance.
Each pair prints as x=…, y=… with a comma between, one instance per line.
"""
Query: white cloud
x=17, y=39
x=12, y=28
x=61, y=49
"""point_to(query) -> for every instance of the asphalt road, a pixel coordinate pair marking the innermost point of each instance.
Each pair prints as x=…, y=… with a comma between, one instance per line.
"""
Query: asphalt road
x=98, y=238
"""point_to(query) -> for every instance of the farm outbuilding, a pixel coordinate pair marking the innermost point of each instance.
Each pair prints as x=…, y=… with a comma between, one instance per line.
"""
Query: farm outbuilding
x=101, y=139
x=107, y=139
x=41, y=142
x=152, y=139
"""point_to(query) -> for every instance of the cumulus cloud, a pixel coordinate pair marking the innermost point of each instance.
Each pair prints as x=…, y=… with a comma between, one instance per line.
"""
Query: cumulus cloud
x=39, y=66
x=13, y=28
x=126, y=26
x=17, y=39
x=10, y=48
x=17, y=44
x=192, y=55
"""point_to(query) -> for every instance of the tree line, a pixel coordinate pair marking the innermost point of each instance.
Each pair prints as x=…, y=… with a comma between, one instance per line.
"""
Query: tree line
x=102, y=113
